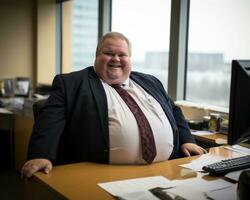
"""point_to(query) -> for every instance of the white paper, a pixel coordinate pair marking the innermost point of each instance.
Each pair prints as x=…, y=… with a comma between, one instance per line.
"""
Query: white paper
x=229, y=193
x=139, y=188
x=187, y=192
x=235, y=175
x=203, y=133
x=140, y=195
x=220, y=141
x=117, y=188
x=203, y=160
x=239, y=149
x=4, y=110
x=202, y=184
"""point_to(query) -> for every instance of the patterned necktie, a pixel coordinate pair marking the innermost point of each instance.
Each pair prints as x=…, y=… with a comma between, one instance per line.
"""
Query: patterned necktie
x=147, y=137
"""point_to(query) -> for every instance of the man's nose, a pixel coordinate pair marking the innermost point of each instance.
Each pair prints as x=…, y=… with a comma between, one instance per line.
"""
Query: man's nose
x=116, y=57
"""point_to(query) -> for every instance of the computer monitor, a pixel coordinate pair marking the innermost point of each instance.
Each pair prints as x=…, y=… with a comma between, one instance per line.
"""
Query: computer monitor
x=239, y=105
x=22, y=86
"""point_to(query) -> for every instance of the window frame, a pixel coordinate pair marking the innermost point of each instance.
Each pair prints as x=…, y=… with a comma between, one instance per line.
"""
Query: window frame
x=178, y=49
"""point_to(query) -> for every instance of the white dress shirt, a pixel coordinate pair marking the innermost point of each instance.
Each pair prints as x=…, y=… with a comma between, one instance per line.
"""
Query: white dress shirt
x=124, y=136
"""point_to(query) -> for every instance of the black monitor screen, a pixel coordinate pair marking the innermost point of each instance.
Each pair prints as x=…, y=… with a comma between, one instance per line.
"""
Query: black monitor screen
x=239, y=106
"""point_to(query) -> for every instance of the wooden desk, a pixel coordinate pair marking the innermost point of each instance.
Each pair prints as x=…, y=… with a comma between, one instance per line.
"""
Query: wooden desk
x=79, y=181
x=22, y=132
x=19, y=128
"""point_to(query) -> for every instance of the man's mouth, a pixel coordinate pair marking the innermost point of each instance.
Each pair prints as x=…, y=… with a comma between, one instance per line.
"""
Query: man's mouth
x=114, y=65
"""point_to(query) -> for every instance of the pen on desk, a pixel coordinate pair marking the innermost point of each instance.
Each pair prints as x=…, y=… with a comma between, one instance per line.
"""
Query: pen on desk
x=119, y=198
x=162, y=194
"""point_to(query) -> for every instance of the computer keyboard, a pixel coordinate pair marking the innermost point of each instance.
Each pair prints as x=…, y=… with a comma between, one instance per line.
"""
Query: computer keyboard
x=228, y=165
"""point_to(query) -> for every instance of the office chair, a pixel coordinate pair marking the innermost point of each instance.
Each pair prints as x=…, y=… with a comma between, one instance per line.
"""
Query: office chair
x=37, y=107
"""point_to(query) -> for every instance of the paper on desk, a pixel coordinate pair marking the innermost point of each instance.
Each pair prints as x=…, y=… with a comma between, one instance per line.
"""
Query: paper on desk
x=203, y=160
x=4, y=110
x=220, y=141
x=239, y=149
x=187, y=192
x=235, y=175
x=139, y=195
x=202, y=184
x=196, y=188
x=229, y=193
x=138, y=188
x=203, y=133
x=117, y=188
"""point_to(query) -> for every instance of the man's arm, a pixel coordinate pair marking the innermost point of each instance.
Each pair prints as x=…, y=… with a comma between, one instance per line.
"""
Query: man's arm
x=187, y=142
x=46, y=133
x=49, y=125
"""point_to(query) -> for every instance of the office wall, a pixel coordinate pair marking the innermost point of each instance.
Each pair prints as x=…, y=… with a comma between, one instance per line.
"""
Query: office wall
x=46, y=41
x=17, y=38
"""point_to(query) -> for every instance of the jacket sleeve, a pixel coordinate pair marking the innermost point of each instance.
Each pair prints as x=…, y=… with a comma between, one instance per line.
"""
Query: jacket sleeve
x=49, y=125
x=182, y=125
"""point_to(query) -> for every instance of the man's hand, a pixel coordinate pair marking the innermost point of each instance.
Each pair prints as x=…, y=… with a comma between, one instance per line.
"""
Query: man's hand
x=35, y=165
x=192, y=149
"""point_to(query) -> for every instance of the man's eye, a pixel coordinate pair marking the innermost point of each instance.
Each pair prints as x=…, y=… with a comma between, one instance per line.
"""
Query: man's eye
x=108, y=53
x=122, y=55
x=114, y=54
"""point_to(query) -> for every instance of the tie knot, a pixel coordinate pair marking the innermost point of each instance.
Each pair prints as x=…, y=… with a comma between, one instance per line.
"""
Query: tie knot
x=117, y=85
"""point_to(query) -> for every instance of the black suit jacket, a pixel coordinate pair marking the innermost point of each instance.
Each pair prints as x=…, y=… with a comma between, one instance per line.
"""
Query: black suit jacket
x=73, y=124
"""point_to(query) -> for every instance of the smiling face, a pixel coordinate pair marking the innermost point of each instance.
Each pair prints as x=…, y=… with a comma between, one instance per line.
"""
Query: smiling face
x=112, y=63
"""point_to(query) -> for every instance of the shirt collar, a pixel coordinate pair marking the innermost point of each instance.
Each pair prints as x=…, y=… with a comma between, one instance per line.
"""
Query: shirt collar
x=125, y=84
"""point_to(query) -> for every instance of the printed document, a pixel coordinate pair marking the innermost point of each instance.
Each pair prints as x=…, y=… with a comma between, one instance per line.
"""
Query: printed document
x=117, y=188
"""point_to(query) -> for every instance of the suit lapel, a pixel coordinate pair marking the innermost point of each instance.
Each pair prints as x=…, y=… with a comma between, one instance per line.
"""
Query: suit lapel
x=101, y=102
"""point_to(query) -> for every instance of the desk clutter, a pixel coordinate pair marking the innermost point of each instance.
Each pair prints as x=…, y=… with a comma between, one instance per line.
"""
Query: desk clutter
x=159, y=187
x=214, y=122
x=234, y=187
x=19, y=86
x=21, y=105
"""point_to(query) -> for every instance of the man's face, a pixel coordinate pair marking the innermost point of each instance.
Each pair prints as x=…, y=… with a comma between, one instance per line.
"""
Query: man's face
x=112, y=64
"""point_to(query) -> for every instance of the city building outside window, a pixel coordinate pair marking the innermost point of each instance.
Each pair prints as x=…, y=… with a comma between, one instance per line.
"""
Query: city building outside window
x=218, y=32
x=84, y=33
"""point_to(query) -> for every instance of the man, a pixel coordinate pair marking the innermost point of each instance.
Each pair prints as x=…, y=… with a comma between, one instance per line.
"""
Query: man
x=85, y=119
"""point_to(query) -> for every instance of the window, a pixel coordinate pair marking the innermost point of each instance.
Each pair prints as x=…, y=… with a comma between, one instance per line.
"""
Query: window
x=147, y=25
x=84, y=33
x=218, y=33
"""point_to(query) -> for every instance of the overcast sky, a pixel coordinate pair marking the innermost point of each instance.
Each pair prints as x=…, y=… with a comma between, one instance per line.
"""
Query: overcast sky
x=220, y=26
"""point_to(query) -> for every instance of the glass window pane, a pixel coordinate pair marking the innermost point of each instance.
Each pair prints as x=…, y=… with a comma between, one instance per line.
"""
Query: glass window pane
x=146, y=23
x=218, y=32
x=85, y=32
